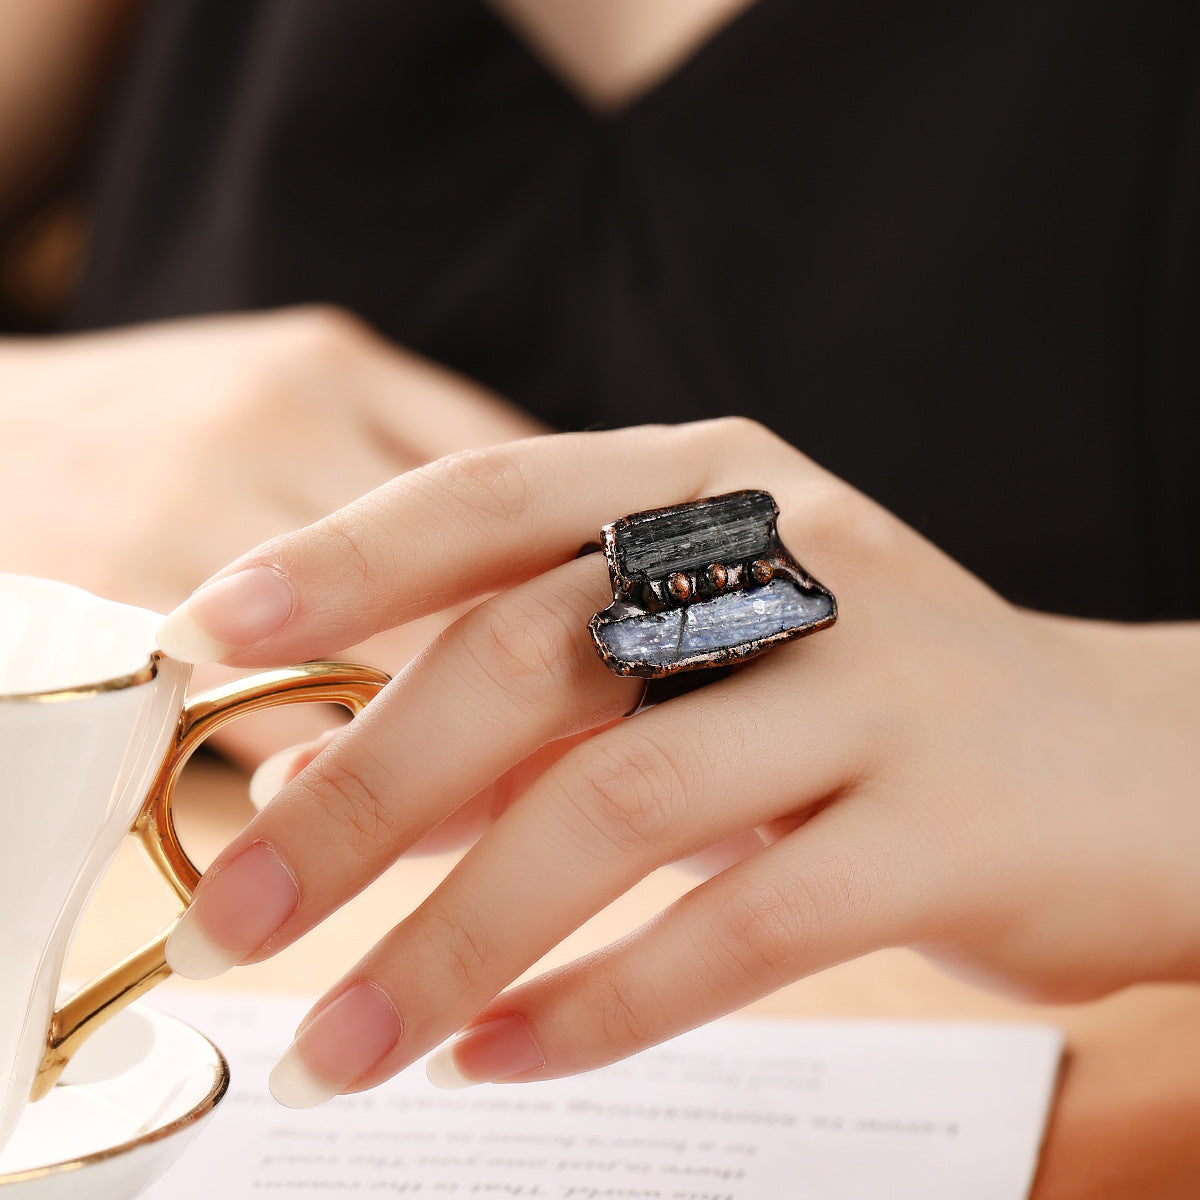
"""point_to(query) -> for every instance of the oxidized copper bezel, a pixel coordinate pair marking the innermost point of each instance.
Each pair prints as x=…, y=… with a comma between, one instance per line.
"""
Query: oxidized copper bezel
x=645, y=596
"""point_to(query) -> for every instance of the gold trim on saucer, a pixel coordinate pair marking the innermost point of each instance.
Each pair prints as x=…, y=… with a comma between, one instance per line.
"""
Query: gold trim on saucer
x=143, y=674
x=201, y=1108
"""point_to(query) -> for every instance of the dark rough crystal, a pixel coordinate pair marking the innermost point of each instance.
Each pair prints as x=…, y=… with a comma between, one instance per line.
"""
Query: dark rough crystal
x=726, y=529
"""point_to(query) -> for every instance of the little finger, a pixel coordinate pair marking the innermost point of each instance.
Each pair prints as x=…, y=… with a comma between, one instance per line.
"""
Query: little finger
x=833, y=890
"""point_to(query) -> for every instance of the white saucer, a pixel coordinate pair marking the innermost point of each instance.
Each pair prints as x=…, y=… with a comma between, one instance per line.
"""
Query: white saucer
x=128, y=1103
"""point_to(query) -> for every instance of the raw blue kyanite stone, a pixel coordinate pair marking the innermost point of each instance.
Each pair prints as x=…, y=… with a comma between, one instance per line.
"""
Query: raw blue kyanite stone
x=674, y=636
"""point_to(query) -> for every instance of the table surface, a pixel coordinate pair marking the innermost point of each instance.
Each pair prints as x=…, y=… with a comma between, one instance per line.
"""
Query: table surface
x=1126, y=1121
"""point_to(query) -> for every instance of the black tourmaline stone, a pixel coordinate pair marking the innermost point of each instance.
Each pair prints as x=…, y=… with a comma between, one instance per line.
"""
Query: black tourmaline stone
x=724, y=529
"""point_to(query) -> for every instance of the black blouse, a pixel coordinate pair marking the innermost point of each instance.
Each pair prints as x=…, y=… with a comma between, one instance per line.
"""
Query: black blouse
x=951, y=250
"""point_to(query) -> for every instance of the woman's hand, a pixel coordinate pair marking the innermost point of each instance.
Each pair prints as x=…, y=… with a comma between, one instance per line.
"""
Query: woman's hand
x=1010, y=793
x=141, y=460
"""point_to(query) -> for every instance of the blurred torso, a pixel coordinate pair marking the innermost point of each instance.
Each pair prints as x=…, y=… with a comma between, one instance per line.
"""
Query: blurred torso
x=952, y=252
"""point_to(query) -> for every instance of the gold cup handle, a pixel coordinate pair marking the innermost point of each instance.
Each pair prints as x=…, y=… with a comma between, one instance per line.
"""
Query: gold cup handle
x=83, y=1013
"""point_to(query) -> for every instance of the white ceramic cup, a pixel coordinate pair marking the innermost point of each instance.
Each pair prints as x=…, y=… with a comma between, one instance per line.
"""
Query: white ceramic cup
x=94, y=731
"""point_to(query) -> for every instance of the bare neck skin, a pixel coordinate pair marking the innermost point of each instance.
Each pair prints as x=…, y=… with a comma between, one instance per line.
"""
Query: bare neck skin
x=611, y=52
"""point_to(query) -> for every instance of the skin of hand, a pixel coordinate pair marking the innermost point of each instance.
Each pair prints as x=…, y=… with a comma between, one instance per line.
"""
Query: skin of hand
x=1009, y=793
x=150, y=456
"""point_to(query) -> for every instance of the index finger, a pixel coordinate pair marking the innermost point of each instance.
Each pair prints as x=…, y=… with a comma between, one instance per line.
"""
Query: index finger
x=463, y=526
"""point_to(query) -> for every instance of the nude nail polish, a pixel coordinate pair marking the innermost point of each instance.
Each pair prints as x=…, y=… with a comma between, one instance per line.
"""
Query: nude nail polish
x=339, y=1046
x=226, y=615
x=496, y=1050
x=233, y=914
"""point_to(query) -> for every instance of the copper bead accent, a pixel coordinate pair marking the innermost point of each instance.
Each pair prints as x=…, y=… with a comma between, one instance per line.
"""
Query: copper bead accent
x=680, y=586
x=762, y=570
x=717, y=576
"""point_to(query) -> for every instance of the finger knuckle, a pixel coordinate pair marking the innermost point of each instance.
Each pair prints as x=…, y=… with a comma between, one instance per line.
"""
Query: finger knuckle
x=619, y=1008
x=487, y=485
x=519, y=644
x=835, y=513
x=876, y=537
x=351, y=805
x=759, y=931
x=358, y=546
x=739, y=430
x=319, y=330
x=458, y=934
x=746, y=452
x=634, y=796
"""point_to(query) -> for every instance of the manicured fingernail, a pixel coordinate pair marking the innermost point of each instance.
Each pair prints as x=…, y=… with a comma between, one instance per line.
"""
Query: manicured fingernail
x=495, y=1050
x=233, y=915
x=224, y=616
x=339, y=1046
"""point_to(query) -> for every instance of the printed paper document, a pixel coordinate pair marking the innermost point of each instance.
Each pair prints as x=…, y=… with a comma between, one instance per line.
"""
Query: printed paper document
x=741, y=1110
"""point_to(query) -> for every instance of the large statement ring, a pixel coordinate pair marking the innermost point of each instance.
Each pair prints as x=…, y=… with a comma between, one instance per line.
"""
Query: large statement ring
x=702, y=585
